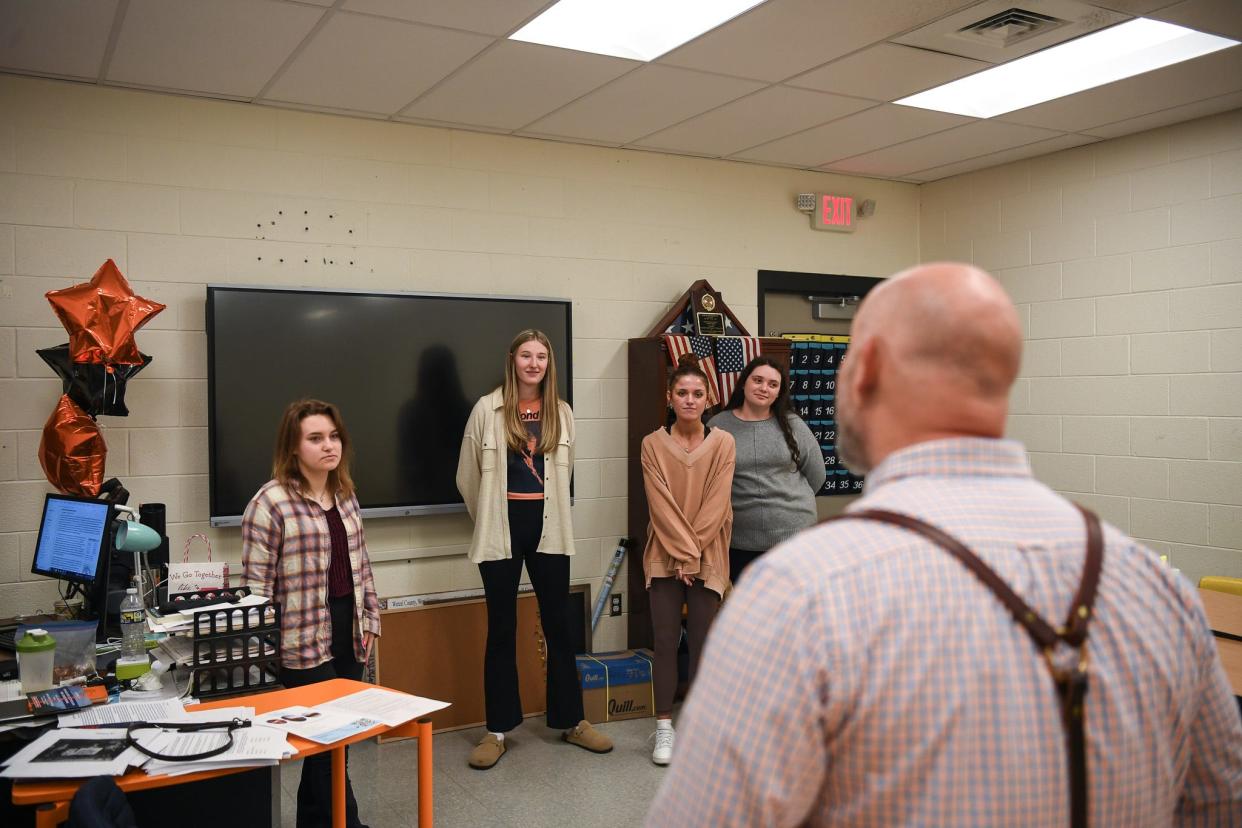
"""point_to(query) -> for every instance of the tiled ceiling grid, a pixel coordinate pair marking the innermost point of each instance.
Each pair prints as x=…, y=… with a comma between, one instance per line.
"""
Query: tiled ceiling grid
x=799, y=83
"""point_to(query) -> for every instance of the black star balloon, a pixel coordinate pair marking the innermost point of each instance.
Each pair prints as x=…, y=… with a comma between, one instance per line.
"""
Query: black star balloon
x=96, y=388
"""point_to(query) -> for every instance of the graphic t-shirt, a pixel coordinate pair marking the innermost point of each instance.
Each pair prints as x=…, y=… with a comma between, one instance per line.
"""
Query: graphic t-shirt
x=526, y=466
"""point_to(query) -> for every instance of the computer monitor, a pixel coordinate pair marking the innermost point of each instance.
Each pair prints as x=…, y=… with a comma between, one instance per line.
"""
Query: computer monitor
x=73, y=539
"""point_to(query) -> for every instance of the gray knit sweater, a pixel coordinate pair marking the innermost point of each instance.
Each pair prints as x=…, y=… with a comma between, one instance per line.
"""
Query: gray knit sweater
x=772, y=498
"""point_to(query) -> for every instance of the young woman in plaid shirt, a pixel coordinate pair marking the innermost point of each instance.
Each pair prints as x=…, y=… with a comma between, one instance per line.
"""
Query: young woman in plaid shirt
x=303, y=546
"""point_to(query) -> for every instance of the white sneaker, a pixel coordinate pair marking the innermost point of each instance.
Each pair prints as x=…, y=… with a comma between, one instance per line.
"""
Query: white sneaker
x=663, y=753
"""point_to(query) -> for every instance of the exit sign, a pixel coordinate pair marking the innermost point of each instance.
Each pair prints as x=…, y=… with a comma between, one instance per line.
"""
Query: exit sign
x=833, y=212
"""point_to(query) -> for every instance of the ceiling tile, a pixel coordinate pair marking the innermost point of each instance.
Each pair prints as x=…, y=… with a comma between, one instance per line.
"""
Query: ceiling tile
x=55, y=37
x=180, y=44
x=959, y=144
x=882, y=126
x=886, y=72
x=1219, y=17
x=1135, y=7
x=1036, y=149
x=494, y=17
x=755, y=119
x=373, y=65
x=781, y=38
x=514, y=83
x=640, y=103
x=1216, y=74
x=1175, y=115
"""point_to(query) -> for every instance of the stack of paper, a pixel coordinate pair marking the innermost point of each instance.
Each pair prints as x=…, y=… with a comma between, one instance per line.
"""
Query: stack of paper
x=383, y=705
x=252, y=747
x=183, y=621
x=322, y=726
x=121, y=713
x=63, y=754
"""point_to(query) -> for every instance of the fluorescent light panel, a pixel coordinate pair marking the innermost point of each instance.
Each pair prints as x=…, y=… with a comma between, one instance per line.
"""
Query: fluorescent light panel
x=1120, y=51
x=635, y=29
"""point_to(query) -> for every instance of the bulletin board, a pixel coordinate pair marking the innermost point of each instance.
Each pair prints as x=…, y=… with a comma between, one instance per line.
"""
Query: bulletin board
x=814, y=361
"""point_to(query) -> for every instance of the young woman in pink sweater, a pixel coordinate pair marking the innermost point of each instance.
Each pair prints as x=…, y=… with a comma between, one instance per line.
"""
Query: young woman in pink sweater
x=688, y=476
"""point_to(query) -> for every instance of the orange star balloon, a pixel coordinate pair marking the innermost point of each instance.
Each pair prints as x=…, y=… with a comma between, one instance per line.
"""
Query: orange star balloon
x=102, y=316
x=72, y=451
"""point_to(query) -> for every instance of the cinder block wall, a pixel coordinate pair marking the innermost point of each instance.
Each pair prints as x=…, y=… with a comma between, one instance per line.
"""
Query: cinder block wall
x=181, y=192
x=1125, y=259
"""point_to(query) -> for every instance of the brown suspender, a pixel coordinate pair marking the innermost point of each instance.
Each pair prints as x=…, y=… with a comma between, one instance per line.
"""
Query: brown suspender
x=1072, y=683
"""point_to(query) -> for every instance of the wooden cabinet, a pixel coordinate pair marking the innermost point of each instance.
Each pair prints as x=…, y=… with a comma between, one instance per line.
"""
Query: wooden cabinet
x=436, y=651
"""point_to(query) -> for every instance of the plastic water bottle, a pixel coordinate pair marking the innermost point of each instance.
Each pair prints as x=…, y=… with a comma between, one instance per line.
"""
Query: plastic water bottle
x=133, y=627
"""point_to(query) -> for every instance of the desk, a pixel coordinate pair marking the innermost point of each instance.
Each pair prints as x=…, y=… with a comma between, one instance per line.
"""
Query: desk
x=1224, y=612
x=52, y=798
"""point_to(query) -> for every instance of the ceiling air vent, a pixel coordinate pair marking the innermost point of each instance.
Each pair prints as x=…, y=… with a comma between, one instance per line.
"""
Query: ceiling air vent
x=1010, y=27
x=997, y=31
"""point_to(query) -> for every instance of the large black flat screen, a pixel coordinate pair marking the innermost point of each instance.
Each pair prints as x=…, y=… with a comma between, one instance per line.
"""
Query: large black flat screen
x=405, y=370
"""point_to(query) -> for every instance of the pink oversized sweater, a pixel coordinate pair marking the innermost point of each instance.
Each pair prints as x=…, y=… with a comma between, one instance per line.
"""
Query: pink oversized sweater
x=688, y=499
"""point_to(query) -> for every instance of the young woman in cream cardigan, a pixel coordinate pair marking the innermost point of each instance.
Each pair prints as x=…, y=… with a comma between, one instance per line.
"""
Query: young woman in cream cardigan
x=517, y=458
x=688, y=476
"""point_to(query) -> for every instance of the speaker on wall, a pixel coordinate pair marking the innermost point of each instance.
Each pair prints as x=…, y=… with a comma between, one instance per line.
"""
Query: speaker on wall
x=153, y=515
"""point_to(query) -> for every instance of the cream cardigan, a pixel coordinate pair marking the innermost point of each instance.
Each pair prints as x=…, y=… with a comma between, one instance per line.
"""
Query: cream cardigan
x=482, y=479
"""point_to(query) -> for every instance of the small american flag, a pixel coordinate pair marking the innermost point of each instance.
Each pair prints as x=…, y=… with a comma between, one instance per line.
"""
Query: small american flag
x=732, y=355
x=700, y=346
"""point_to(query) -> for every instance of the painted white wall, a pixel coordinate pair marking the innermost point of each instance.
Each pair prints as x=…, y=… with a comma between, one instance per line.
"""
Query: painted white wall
x=1125, y=259
x=174, y=189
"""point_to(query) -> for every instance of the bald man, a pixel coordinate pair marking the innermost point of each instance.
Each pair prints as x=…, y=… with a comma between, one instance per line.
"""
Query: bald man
x=861, y=675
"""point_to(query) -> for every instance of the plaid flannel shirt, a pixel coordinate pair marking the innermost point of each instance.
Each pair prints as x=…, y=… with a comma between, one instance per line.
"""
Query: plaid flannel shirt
x=286, y=551
x=861, y=676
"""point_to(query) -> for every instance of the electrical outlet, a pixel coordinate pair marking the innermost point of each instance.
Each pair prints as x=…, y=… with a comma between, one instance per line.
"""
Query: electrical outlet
x=616, y=604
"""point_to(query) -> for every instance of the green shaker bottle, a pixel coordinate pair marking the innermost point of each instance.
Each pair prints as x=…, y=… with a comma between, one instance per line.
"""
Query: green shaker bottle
x=35, y=653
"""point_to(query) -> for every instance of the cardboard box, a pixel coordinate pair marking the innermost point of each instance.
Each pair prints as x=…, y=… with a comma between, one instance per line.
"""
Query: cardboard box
x=616, y=685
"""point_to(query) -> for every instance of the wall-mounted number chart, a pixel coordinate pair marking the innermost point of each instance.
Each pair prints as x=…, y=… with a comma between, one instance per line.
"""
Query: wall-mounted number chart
x=813, y=364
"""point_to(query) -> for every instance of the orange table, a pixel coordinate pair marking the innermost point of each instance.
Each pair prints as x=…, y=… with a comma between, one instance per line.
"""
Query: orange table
x=52, y=797
x=1224, y=612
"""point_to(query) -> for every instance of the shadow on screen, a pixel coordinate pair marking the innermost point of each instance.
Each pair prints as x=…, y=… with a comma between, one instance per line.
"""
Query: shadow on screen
x=426, y=425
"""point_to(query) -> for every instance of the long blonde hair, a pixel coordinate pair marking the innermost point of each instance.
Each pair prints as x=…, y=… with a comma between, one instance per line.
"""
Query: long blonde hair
x=285, y=466
x=549, y=403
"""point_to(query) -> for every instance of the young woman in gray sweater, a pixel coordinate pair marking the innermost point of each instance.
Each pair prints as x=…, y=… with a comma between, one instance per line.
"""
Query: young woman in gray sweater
x=779, y=465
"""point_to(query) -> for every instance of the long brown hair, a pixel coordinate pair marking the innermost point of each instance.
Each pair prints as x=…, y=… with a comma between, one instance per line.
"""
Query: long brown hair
x=285, y=466
x=549, y=403
x=780, y=406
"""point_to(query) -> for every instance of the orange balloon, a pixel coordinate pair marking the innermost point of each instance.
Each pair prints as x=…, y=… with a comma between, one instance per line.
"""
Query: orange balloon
x=72, y=451
x=102, y=316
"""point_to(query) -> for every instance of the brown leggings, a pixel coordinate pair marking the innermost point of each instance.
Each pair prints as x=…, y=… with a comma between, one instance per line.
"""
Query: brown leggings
x=666, y=595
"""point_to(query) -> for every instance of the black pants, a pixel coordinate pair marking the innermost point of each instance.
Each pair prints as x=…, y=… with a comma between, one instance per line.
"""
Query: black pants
x=739, y=559
x=549, y=575
x=315, y=789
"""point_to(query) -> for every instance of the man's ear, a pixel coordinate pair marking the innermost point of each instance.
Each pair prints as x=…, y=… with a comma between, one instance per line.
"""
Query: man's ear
x=864, y=373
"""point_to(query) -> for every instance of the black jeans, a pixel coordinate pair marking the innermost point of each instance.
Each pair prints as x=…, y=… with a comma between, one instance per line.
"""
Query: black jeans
x=315, y=789
x=549, y=575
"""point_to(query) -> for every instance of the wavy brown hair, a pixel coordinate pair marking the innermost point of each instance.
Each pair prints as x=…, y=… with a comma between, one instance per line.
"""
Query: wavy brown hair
x=285, y=466
x=549, y=403
x=780, y=406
